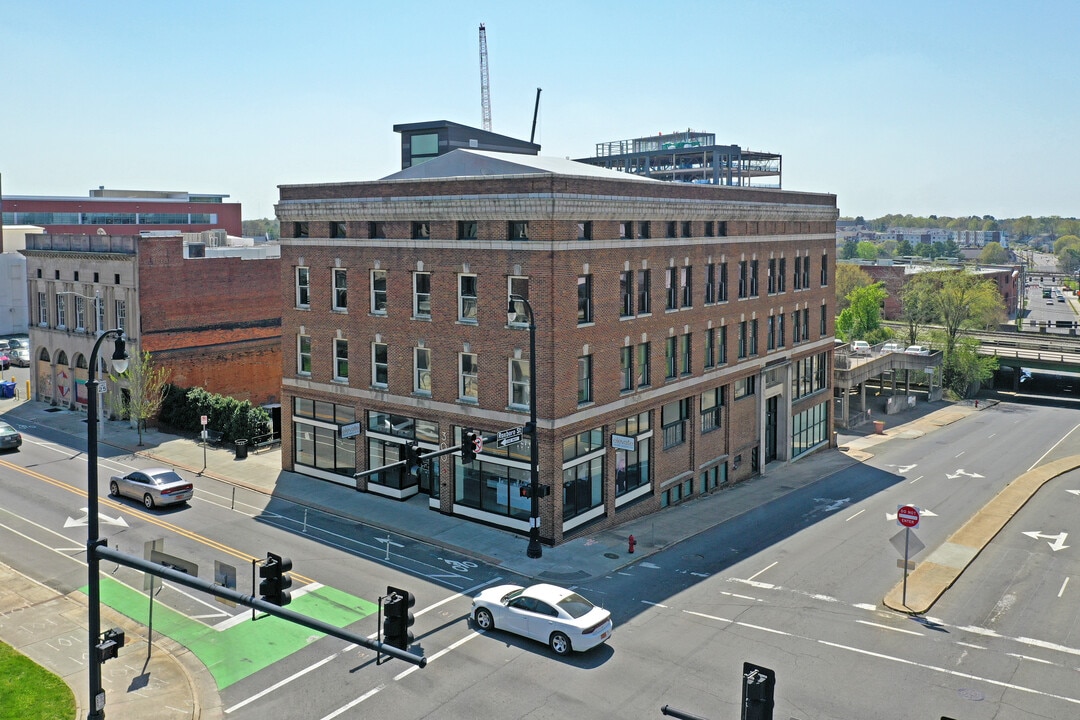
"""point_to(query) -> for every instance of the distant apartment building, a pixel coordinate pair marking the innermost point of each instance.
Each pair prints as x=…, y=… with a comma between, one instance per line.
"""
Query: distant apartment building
x=684, y=334
x=210, y=315
x=893, y=275
x=124, y=212
x=979, y=238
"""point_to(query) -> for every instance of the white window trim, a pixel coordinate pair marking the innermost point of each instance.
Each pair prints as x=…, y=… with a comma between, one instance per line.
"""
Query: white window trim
x=337, y=358
x=418, y=375
x=340, y=272
x=416, y=296
x=371, y=278
x=374, y=366
x=298, y=285
x=510, y=383
x=461, y=379
x=300, y=355
x=461, y=300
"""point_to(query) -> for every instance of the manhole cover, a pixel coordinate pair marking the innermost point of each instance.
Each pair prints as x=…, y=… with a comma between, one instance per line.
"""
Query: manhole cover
x=611, y=556
x=970, y=694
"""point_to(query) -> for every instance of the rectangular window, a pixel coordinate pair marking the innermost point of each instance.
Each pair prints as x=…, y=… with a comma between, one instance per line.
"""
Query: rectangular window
x=824, y=270
x=468, y=230
x=377, y=230
x=806, y=323
x=796, y=328
x=517, y=285
x=772, y=276
x=687, y=229
x=797, y=278
x=721, y=346
x=685, y=365
x=643, y=359
x=469, y=388
x=583, y=487
x=823, y=327
x=711, y=403
x=753, y=336
x=61, y=311
x=743, y=284
x=673, y=421
x=643, y=292
x=745, y=386
x=670, y=361
x=302, y=230
x=467, y=298
x=80, y=313
x=781, y=276
x=584, y=230
x=643, y=230
x=626, y=292
x=378, y=292
x=710, y=228
x=584, y=299
x=710, y=348
x=710, y=283
x=341, y=359
x=672, y=229
x=721, y=286
x=742, y=340
x=721, y=228
x=421, y=231
x=584, y=379
x=303, y=355
x=519, y=230
x=337, y=229
x=626, y=230
x=422, y=370
x=780, y=330
x=519, y=383
x=99, y=309
x=303, y=287
x=770, y=339
x=753, y=278
x=686, y=285
x=671, y=290
x=422, y=295
x=43, y=309
x=380, y=364
x=121, y=314
x=626, y=367
x=341, y=295
x=806, y=273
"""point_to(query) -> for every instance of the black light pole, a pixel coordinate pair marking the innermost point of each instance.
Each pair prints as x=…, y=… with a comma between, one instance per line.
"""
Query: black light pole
x=120, y=363
x=535, y=550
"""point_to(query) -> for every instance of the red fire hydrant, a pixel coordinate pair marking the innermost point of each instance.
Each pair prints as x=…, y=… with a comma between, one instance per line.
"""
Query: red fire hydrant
x=632, y=542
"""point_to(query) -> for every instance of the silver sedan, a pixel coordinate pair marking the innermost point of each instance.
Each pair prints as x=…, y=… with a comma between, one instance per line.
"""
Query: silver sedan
x=156, y=486
x=553, y=615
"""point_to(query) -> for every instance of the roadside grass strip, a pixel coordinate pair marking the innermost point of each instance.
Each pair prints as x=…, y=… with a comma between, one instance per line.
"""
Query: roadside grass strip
x=243, y=649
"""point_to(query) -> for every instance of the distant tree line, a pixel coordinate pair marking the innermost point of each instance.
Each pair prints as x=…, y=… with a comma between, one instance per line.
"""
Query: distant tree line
x=268, y=227
x=1018, y=228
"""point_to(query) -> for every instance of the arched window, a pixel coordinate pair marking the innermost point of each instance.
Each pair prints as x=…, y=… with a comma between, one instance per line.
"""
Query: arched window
x=80, y=361
x=61, y=358
x=43, y=355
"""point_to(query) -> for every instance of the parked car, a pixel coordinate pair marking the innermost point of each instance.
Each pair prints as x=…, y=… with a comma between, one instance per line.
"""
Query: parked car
x=559, y=617
x=156, y=486
x=10, y=438
x=917, y=350
x=20, y=357
x=892, y=347
x=860, y=347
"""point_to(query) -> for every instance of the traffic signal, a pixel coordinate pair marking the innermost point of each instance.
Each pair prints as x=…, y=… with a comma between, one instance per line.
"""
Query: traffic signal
x=412, y=458
x=541, y=491
x=276, y=581
x=397, y=618
x=110, y=644
x=526, y=491
x=471, y=446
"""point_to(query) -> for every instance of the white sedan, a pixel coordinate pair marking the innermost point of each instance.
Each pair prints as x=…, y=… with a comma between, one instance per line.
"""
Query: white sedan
x=553, y=615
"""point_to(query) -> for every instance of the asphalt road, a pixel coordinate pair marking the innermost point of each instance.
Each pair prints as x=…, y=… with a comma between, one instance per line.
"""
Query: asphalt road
x=794, y=586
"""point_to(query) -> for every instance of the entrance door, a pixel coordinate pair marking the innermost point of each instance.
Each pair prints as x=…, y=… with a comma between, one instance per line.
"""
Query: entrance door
x=770, y=427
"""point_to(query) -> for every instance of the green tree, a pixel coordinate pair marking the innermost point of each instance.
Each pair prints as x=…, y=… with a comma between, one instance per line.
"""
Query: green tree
x=966, y=302
x=268, y=227
x=924, y=249
x=994, y=254
x=965, y=370
x=1069, y=260
x=903, y=248
x=146, y=386
x=867, y=250
x=850, y=251
x=1066, y=241
x=918, y=300
x=848, y=277
x=862, y=317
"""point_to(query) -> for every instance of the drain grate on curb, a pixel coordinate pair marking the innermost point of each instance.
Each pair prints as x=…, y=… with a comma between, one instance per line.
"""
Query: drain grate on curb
x=52, y=409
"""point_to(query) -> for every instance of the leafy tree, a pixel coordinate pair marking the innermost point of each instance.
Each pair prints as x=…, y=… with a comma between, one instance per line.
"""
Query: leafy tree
x=888, y=248
x=994, y=254
x=848, y=277
x=1066, y=241
x=862, y=317
x=867, y=250
x=966, y=302
x=918, y=298
x=269, y=227
x=1069, y=260
x=146, y=388
x=924, y=249
x=949, y=248
x=965, y=370
x=904, y=248
x=850, y=250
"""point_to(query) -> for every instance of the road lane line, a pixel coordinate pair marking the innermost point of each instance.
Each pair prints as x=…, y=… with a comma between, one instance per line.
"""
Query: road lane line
x=1033, y=659
x=761, y=571
x=887, y=627
x=1062, y=590
x=280, y=684
x=754, y=583
x=436, y=656
x=1047, y=645
x=659, y=605
x=971, y=645
x=1052, y=448
x=916, y=480
x=354, y=703
x=855, y=515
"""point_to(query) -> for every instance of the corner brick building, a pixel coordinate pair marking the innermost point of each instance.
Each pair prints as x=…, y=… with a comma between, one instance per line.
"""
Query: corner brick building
x=684, y=334
x=211, y=316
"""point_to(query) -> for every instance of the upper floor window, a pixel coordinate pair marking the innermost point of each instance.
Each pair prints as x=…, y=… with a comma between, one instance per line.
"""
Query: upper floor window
x=61, y=311
x=671, y=288
x=798, y=273
x=626, y=368
x=99, y=311
x=469, y=383
x=380, y=364
x=687, y=229
x=302, y=230
x=710, y=283
x=743, y=284
x=772, y=276
x=643, y=230
x=337, y=229
x=378, y=291
x=43, y=309
x=422, y=295
x=584, y=299
x=584, y=387
x=753, y=278
x=710, y=228
x=341, y=359
x=519, y=230
x=626, y=230
x=721, y=284
x=519, y=382
x=742, y=340
x=468, y=230
x=824, y=323
x=377, y=230
x=685, y=364
x=121, y=314
x=518, y=285
x=303, y=354
x=824, y=270
x=721, y=345
x=643, y=301
x=422, y=365
x=673, y=417
x=467, y=298
x=745, y=386
x=644, y=355
x=753, y=336
x=626, y=294
x=806, y=273
x=584, y=230
x=341, y=295
x=421, y=230
x=80, y=312
x=671, y=363
x=710, y=348
x=712, y=402
x=303, y=287
x=781, y=276
x=686, y=285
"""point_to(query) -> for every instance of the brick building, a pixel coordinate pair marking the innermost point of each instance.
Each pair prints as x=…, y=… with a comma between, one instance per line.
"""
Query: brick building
x=684, y=334
x=1009, y=280
x=211, y=316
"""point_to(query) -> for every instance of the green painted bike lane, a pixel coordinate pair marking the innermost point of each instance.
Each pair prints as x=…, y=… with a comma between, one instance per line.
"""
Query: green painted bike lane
x=241, y=650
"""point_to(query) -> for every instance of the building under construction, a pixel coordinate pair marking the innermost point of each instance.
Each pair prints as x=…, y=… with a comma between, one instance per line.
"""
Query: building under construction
x=692, y=157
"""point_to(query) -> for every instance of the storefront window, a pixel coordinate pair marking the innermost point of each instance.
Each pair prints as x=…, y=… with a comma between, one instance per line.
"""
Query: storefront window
x=493, y=488
x=583, y=487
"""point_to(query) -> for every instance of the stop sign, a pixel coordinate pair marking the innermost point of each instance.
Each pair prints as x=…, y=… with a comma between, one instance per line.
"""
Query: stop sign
x=908, y=516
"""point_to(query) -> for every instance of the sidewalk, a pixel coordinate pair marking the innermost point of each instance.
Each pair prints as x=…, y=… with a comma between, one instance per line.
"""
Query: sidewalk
x=575, y=561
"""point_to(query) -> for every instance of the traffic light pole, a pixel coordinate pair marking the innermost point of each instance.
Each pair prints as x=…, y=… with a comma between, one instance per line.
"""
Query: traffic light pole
x=534, y=550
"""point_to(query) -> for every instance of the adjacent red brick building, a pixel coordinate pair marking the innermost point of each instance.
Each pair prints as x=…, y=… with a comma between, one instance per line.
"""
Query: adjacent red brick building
x=684, y=334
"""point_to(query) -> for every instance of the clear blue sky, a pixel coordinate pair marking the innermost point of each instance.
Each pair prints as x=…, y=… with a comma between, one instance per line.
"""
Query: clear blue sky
x=946, y=108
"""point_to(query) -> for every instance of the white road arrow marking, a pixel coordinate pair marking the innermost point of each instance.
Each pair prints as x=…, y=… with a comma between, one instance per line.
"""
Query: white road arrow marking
x=832, y=504
x=73, y=522
x=1074, y=492
x=1059, y=539
x=960, y=473
x=904, y=469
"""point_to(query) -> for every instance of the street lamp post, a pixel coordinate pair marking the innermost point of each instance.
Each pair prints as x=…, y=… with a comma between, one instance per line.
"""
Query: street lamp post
x=535, y=550
x=120, y=363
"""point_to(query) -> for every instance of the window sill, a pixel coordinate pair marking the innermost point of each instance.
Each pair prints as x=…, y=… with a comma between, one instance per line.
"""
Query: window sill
x=468, y=401
x=302, y=307
x=377, y=313
x=340, y=311
x=586, y=324
x=341, y=380
x=421, y=393
x=468, y=321
x=422, y=318
x=377, y=387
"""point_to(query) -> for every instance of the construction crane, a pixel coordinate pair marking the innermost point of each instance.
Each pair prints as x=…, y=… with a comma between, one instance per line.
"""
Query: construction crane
x=485, y=89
